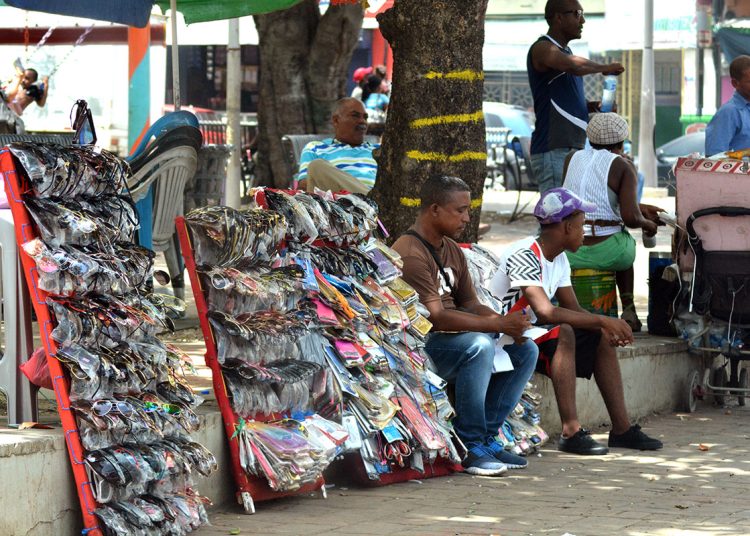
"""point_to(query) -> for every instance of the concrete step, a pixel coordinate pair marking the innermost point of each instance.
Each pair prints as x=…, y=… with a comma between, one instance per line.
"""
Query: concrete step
x=38, y=497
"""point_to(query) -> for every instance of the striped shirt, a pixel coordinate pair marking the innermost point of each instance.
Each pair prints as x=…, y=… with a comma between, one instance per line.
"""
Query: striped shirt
x=588, y=178
x=357, y=161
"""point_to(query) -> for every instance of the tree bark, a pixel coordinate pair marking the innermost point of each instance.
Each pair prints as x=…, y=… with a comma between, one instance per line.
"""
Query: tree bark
x=435, y=123
x=303, y=64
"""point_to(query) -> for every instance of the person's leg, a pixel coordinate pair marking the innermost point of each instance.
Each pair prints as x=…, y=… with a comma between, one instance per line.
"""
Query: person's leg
x=323, y=175
x=505, y=388
x=465, y=359
x=503, y=394
x=625, y=282
x=563, y=375
x=609, y=380
x=557, y=158
x=576, y=354
x=541, y=166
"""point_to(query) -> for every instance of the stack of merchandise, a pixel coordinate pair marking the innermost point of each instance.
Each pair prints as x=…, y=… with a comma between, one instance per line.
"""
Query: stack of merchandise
x=319, y=339
x=521, y=433
x=132, y=406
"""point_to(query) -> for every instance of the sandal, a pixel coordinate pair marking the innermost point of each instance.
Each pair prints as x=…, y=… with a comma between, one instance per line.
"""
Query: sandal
x=631, y=317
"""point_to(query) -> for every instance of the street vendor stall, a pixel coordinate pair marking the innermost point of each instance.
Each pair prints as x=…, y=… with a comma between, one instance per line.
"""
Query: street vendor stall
x=713, y=254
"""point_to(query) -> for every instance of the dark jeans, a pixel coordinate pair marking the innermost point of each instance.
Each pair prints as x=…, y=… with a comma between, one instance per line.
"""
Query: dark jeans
x=483, y=399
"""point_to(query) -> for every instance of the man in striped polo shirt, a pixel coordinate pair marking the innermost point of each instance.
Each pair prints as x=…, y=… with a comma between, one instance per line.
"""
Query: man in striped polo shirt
x=344, y=162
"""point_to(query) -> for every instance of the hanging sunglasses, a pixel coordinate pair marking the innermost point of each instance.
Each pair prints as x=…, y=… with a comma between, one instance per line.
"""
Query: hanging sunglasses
x=82, y=123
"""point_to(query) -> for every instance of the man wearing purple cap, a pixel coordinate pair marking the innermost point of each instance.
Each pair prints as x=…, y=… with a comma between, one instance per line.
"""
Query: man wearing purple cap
x=580, y=344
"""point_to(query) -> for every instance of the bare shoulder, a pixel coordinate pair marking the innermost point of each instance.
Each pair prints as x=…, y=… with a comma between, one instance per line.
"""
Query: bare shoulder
x=540, y=51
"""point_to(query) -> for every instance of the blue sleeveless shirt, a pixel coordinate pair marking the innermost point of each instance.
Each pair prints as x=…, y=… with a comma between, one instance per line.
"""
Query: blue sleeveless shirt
x=553, y=129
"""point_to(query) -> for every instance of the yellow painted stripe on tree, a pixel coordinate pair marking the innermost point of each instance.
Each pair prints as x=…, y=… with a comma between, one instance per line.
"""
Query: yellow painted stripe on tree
x=466, y=75
x=410, y=201
x=447, y=119
x=443, y=157
x=414, y=202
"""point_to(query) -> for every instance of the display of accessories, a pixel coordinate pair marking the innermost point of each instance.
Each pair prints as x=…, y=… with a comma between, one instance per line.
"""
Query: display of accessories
x=521, y=432
x=315, y=343
x=123, y=401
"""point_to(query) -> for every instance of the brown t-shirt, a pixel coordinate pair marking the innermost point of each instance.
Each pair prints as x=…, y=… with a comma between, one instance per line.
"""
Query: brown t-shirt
x=421, y=272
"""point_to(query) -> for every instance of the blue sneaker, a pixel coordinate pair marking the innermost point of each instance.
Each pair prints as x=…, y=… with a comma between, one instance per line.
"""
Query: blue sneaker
x=510, y=460
x=479, y=461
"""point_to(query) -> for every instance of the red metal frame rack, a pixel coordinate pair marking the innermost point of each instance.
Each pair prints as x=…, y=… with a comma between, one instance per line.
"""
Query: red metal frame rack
x=249, y=488
x=15, y=185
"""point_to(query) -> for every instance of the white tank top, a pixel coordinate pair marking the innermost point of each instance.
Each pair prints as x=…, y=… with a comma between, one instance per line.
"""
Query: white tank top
x=588, y=172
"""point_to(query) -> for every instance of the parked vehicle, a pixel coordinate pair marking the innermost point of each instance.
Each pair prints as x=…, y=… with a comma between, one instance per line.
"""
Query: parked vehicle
x=504, y=122
x=667, y=155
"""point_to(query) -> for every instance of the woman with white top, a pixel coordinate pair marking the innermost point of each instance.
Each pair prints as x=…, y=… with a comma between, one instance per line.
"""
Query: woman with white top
x=600, y=175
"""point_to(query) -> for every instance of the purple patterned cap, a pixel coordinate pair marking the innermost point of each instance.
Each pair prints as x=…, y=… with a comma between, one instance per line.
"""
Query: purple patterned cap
x=559, y=203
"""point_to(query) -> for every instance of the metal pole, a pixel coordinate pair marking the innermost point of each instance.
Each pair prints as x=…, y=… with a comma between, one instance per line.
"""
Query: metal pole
x=175, y=56
x=234, y=136
x=646, y=152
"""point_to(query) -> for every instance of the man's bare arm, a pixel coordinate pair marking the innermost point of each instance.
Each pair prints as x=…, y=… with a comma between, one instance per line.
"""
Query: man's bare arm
x=546, y=56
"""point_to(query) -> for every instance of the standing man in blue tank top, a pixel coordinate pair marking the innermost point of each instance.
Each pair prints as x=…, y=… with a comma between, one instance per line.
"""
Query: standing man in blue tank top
x=555, y=77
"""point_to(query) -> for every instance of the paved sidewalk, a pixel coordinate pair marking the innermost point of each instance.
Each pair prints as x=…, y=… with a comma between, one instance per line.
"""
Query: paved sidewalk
x=680, y=490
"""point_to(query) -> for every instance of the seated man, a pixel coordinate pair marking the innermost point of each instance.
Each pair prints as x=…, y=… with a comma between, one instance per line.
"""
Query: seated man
x=582, y=344
x=344, y=162
x=462, y=343
x=23, y=90
x=601, y=175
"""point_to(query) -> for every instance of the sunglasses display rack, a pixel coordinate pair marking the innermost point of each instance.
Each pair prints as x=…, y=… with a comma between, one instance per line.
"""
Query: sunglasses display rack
x=125, y=408
x=299, y=279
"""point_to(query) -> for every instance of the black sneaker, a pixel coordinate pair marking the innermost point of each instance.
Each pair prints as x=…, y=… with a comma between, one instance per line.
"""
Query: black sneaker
x=634, y=439
x=581, y=443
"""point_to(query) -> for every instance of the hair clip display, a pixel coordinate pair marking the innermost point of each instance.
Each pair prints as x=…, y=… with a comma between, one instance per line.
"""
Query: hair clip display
x=321, y=331
x=133, y=409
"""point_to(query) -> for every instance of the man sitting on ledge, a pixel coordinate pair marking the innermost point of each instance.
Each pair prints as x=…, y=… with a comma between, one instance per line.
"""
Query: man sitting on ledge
x=578, y=343
x=344, y=162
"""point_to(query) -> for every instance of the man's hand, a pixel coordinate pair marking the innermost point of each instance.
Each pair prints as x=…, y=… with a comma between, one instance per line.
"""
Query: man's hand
x=649, y=227
x=613, y=68
x=514, y=324
x=650, y=212
x=595, y=107
x=616, y=332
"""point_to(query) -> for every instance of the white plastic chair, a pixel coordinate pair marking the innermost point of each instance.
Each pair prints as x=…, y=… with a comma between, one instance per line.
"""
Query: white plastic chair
x=169, y=188
x=18, y=343
x=140, y=182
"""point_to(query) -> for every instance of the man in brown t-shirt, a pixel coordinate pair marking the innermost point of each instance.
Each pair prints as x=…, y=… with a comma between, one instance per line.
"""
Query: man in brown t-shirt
x=462, y=342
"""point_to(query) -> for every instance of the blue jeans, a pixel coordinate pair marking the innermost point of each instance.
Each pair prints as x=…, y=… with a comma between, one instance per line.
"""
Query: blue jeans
x=483, y=399
x=548, y=168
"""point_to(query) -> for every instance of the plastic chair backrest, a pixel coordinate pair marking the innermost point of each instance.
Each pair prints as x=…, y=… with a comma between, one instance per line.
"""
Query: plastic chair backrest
x=169, y=189
x=139, y=182
x=179, y=136
x=163, y=124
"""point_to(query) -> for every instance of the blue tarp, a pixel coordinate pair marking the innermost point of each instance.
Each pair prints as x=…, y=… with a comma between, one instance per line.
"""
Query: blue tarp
x=734, y=42
x=129, y=12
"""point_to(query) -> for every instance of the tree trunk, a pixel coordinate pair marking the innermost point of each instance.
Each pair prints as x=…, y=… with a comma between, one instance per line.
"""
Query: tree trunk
x=435, y=123
x=303, y=64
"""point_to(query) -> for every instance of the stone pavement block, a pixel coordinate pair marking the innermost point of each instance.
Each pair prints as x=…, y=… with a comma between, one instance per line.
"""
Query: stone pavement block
x=677, y=491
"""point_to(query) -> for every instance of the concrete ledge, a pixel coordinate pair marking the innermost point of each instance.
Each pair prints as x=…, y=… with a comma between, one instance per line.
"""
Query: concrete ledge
x=654, y=374
x=38, y=496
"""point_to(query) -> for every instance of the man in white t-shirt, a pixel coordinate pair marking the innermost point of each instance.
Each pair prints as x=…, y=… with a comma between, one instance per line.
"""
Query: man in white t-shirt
x=580, y=344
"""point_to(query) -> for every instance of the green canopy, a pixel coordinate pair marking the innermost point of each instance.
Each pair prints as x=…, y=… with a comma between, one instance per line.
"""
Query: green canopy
x=206, y=10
